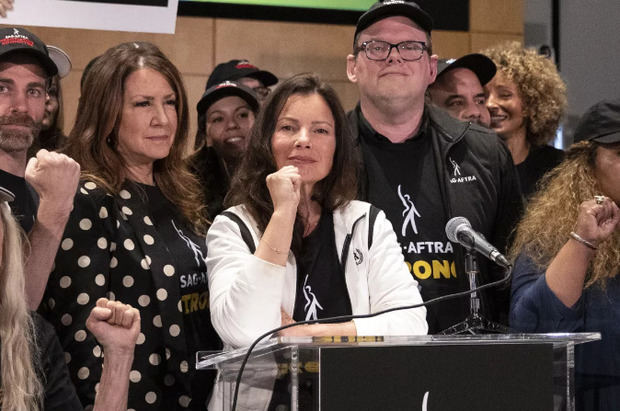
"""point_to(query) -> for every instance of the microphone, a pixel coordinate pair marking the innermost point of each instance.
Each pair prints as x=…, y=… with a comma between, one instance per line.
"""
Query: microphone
x=459, y=230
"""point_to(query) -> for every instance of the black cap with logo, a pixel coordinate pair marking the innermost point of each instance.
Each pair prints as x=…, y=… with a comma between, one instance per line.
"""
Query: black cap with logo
x=388, y=8
x=16, y=39
x=225, y=89
x=482, y=66
x=235, y=69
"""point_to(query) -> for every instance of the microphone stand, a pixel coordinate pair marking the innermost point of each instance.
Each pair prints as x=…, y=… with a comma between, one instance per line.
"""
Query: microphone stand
x=475, y=323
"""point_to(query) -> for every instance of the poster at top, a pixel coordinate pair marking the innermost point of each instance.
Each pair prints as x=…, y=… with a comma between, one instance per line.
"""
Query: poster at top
x=148, y=16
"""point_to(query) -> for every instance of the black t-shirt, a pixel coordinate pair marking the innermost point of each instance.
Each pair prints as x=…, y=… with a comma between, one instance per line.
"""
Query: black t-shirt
x=321, y=287
x=538, y=161
x=24, y=207
x=415, y=209
x=59, y=392
x=190, y=252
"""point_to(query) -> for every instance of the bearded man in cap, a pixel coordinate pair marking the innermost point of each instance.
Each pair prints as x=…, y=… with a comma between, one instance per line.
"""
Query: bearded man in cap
x=44, y=187
x=421, y=166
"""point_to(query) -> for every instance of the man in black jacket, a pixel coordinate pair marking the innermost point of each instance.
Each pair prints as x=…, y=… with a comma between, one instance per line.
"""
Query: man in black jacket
x=423, y=167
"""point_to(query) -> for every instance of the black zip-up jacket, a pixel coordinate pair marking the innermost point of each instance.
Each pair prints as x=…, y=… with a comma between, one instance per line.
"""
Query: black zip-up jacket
x=492, y=203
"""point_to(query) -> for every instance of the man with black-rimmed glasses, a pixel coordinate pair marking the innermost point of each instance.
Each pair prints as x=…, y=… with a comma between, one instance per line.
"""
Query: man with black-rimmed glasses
x=423, y=167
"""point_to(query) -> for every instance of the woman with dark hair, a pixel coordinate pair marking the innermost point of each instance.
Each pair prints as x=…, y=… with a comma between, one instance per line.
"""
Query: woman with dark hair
x=526, y=99
x=226, y=113
x=33, y=374
x=567, y=251
x=297, y=246
x=136, y=232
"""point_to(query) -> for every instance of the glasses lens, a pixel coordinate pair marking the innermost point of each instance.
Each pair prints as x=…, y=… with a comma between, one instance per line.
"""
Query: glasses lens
x=377, y=50
x=410, y=50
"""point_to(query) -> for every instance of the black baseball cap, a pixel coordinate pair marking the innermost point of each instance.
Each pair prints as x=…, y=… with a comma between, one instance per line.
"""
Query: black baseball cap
x=6, y=195
x=388, y=8
x=233, y=70
x=17, y=39
x=482, y=66
x=600, y=123
x=225, y=89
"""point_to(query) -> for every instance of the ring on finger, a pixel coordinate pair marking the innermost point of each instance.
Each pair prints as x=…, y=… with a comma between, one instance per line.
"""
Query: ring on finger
x=599, y=199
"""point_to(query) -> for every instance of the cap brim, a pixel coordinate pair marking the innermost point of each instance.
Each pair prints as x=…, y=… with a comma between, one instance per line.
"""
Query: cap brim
x=611, y=138
x=265, y=77
x=215, y=93
x=482, y=66
x=6, y=195
x=60, y=59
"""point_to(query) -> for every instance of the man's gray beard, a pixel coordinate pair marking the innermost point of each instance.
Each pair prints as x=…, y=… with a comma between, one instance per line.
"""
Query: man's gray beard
x=11, y=140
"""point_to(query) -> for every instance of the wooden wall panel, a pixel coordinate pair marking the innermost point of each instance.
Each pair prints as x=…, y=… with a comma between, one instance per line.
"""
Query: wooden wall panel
x=450, y=44
x=286, y=48
x=481, y=41
x=496, y=16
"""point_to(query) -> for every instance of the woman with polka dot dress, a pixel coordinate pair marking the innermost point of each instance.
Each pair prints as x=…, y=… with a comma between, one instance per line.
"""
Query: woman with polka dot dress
x=136, y=232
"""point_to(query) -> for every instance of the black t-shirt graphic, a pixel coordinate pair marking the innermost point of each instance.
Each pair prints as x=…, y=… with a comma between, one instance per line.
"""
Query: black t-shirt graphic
x=408, y=191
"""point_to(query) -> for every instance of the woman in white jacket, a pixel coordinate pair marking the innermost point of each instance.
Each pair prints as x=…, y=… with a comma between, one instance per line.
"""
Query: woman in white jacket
x=298, y=247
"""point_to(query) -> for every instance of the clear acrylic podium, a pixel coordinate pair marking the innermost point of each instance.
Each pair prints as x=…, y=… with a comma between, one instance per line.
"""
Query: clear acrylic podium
x=429, y=373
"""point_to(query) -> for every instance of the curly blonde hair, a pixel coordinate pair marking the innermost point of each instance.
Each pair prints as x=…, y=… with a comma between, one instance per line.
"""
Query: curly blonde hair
x=551, y=215
x=540, y=86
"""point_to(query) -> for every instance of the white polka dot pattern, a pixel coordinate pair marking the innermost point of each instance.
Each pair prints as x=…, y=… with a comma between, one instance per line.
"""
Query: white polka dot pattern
x=148, y=239
x=84, y=261
x=157, y=321
x=175, y=330
x=144, y=300
x=90, y=185
x=141, y=338
x=66, y=320
x=65, y=281
x=83, y=373
x=83, y=298
x=66, y=244
x=135, y=376
x=100, y=280
x=162, y=294
x=150, y=397
x=103, y=212
x=85, y=224
x=80, y=335
x=184, y=401
x=128, y=244
x=102, y=243
x=147, y=220
x=155, y=359
x=183, y=366
x=169, y=270
x=128, y=281
x=125, y=195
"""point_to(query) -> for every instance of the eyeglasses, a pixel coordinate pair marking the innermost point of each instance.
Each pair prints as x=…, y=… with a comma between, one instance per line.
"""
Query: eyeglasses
x=262, y=92
x=380, y=50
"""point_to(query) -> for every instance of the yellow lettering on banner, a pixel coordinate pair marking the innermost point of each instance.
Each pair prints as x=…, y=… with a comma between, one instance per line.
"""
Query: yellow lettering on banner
x=441, y=268
x=193, y=305
x=204, y=300
x=437, y=268
x=422, y=269
x=185, y=300
x=312, y=366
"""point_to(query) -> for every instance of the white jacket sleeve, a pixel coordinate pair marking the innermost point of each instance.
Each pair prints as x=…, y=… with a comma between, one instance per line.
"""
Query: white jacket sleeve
x=390, y=284
x=245, y=291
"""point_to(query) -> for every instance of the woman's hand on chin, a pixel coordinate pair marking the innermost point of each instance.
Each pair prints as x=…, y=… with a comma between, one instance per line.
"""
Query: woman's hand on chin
x=284, y=188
